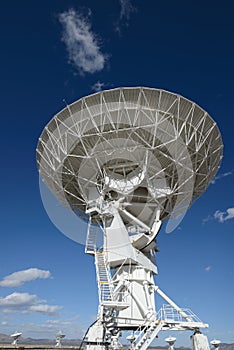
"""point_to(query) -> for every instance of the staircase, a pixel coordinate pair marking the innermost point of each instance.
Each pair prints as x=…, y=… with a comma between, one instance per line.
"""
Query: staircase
x=91, y=239
x=103, y=278
x=147, y=335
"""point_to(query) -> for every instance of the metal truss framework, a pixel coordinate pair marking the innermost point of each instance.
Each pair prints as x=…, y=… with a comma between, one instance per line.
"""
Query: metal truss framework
x=149, y=147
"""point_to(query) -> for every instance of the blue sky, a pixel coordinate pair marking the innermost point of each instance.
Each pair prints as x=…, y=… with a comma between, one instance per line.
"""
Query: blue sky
x=53, y=51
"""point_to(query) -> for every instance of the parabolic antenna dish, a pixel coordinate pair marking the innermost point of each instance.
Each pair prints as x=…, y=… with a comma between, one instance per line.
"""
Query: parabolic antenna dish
x=16, y=334
x=215, y=341
x=148, y=148
x=170, y=340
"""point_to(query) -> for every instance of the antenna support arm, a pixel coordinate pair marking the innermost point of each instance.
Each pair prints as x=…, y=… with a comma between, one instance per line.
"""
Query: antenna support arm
x=170, y=302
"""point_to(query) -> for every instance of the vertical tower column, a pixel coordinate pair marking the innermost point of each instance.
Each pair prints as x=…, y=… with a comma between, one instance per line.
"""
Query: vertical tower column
x=132, y=275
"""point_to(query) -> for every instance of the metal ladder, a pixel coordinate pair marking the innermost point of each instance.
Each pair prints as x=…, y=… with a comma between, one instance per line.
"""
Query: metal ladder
x=92, y=233
x=103, y=278
x=147, y=335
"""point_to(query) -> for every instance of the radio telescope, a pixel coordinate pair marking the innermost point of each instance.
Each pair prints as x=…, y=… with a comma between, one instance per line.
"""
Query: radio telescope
x=59, y=336
x=125, y=160
x=216, y=343
x=171, y=342
x=15, y=336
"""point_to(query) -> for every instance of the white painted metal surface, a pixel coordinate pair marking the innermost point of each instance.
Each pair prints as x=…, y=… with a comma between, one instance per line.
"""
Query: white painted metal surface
x=127, y=159
x=58, y=337
x=216, y=343
x=171, y=342
x=138, y=144
x=200, y=342
x=16, y=337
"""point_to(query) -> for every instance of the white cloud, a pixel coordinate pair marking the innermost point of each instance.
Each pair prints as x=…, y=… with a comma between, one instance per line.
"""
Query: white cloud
x=98, y=86
x=18, y=278
x=83, y=48
x=18, y=300
x=45, y=309
x=208, y=218
x=126, y=9
x=218, y=177
x=26, y=303
x=207, y=268
x=222, y=216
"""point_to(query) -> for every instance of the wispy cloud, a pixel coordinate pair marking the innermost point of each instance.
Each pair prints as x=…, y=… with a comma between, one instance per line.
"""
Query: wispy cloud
x=223, y=216
x=207, y=268
x=45, y=309
x=99, y=86
x=208, y=218
x=73, y=327
x=18, y=278
x=220, y=176
x=26, y=303
x=220, y=216
x=83, y=47
x=126, y=9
